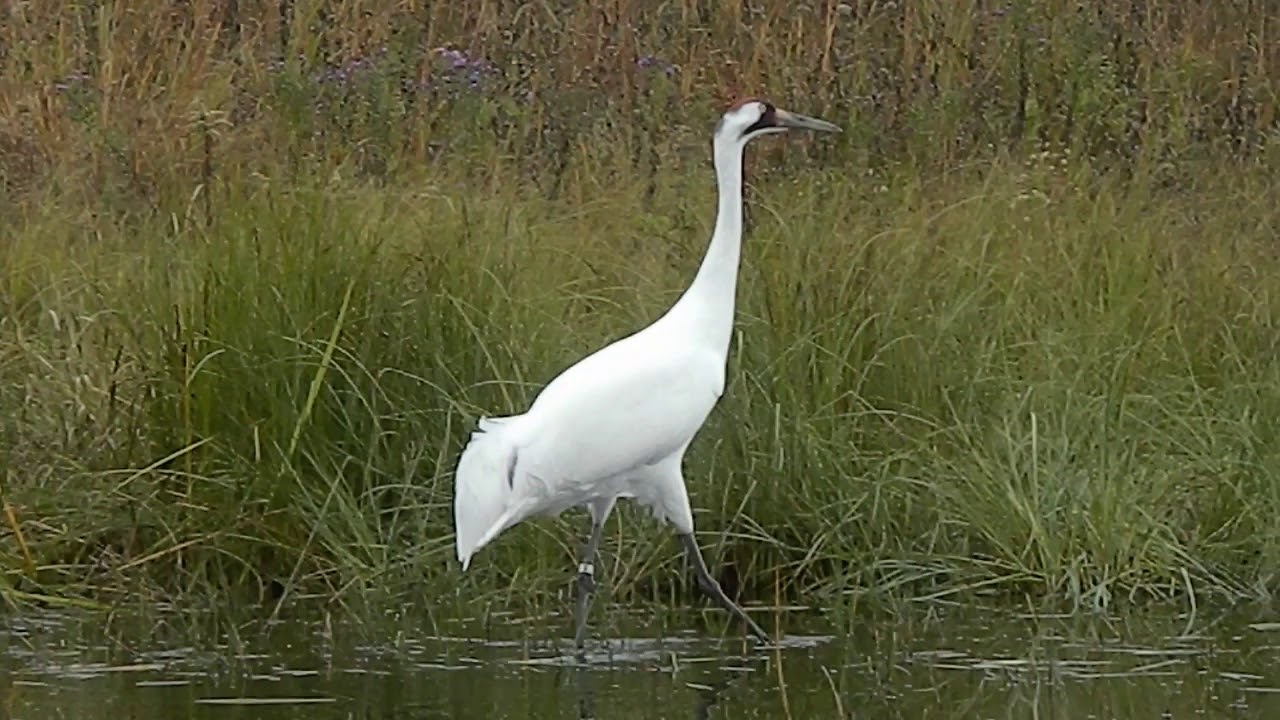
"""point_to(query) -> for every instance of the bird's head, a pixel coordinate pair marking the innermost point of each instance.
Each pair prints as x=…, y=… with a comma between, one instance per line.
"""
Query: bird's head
x=752, y=117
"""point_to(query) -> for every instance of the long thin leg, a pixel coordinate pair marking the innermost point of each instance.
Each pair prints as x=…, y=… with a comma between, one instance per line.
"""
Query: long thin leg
x=587, y=580
x=712, y=588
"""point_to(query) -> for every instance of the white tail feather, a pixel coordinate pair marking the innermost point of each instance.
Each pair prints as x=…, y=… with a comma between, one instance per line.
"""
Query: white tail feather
x=482, y=493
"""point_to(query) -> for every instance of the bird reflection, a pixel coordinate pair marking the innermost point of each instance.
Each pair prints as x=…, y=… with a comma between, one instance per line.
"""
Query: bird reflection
x=709, y=695
x=586, y=694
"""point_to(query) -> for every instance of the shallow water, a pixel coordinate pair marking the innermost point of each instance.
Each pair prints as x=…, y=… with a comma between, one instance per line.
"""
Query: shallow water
x=943, y=663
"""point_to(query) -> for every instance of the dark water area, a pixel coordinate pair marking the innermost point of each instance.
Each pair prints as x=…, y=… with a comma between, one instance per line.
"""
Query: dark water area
x=939, y=663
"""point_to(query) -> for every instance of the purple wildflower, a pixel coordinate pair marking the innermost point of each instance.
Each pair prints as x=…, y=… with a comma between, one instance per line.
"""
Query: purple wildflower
x=455, y=58
x=653, y=62
x=351, y=69
x=462, y=68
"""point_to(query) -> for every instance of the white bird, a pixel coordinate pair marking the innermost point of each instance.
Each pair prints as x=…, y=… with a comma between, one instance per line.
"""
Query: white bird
x=618, y=422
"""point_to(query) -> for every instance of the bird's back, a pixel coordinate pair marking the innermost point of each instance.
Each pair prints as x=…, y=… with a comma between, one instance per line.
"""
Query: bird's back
x=628, y=406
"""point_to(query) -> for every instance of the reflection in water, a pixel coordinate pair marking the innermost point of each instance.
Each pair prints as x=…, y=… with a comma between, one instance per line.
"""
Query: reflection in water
x=707, y=695
x=710, y=695
x=985, y=665
x=586, y=699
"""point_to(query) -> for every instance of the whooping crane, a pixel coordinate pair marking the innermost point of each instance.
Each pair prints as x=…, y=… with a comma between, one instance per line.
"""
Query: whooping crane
x=618, y=422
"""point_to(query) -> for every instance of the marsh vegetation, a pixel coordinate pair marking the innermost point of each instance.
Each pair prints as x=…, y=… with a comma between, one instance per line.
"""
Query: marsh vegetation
x=1014, y=334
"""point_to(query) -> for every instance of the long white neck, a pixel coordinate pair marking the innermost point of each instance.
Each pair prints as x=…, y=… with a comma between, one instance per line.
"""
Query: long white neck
x=706, y=308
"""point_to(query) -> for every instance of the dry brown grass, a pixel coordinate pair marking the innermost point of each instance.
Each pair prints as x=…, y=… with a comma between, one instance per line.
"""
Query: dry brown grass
x=158, y=100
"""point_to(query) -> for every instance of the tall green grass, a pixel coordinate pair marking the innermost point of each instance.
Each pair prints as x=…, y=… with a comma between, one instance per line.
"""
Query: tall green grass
x=1020, y=380
x=1014, y=332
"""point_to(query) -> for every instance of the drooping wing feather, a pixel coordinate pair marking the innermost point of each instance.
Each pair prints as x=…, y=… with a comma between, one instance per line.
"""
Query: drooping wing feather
x=482, y=486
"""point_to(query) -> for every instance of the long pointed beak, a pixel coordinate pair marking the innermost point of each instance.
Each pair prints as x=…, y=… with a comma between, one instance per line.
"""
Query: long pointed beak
x=796, y=121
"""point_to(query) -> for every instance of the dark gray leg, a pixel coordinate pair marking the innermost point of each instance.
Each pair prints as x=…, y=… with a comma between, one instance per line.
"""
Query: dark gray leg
x=586, y=580
x=712, y=588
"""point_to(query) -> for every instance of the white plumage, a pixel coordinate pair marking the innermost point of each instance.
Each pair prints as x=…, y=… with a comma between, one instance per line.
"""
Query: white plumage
x=618, y=422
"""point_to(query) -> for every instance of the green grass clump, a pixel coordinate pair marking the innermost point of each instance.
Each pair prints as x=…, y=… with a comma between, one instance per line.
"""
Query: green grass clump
x=1014, y=378
x=1013, y=332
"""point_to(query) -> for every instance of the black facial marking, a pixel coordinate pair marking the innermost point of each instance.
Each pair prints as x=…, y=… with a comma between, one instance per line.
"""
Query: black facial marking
x=511, y=471
x=767, y=120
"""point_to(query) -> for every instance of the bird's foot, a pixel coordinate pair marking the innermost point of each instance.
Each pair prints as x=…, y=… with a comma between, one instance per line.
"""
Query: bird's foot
x=709, y=586
x=762, y=637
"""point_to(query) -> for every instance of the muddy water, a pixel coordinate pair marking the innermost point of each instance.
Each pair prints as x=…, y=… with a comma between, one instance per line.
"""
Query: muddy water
x=944, y=663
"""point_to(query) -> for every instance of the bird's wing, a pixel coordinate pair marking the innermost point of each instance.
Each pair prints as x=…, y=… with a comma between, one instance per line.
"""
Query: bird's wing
x=628, y=406
x=482, y=488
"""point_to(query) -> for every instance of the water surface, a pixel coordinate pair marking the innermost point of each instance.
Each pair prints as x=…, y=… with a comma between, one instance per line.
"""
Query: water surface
x=943, y=663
